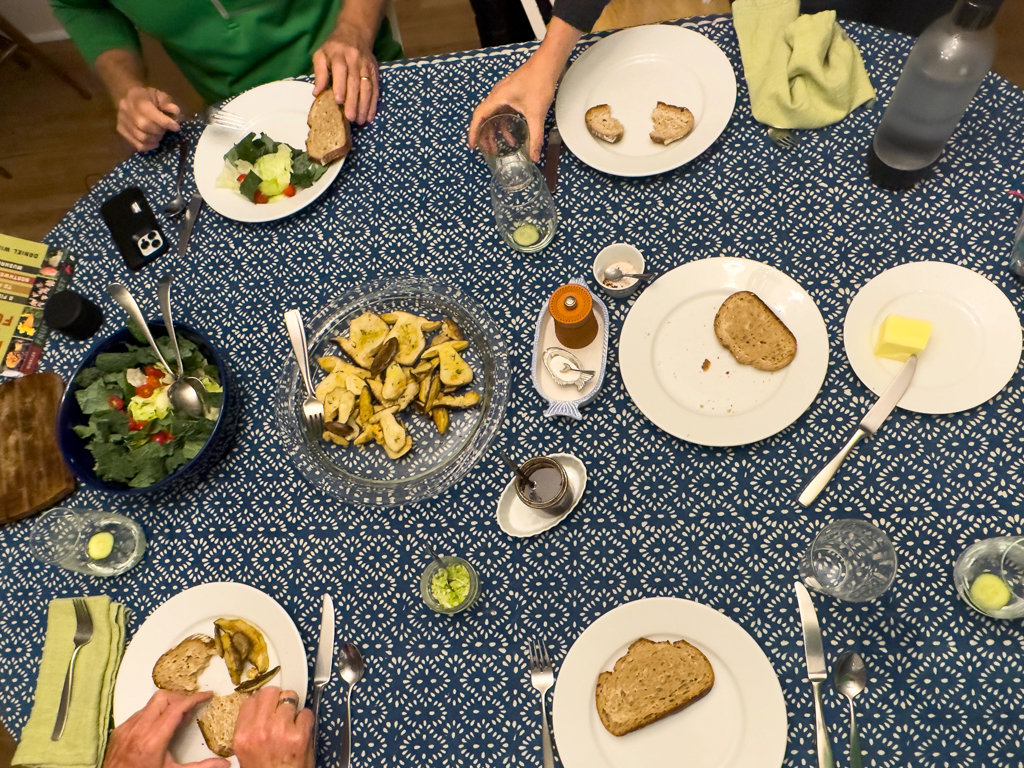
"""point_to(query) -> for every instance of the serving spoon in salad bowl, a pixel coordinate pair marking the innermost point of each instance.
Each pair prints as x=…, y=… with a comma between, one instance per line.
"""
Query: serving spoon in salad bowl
x=187, y=393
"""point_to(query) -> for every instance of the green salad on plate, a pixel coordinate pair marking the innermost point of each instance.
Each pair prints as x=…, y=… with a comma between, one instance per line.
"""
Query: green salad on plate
x=266, y=171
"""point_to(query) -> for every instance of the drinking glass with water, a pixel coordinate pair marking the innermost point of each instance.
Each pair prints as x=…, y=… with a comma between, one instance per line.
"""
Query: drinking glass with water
x=87, y=541
x=850, y=560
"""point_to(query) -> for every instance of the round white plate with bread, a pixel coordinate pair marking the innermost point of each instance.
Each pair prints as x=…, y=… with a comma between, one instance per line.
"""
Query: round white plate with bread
x=733, y=713
x=975, y=343
x=684, y=380
x=631, y=71
x=193, y=612
x=280, y=110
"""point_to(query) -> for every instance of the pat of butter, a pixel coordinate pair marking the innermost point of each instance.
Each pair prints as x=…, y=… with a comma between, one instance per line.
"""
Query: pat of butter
x=900, y=337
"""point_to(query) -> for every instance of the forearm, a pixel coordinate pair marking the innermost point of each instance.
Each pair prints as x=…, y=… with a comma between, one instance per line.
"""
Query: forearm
x=554, y=51
x=121, y=70
x=361, y=17
x=581, y=14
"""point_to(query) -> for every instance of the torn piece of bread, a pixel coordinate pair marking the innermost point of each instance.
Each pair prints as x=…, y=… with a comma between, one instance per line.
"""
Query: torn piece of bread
x=330, y=134
x=602, y=125
x=754, y=334
x=179, y=669
x=652, y=681
x=670, y=123
x=217, y=722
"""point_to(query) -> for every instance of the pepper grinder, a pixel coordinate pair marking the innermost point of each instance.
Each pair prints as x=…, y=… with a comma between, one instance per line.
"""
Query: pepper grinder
x=572, y=308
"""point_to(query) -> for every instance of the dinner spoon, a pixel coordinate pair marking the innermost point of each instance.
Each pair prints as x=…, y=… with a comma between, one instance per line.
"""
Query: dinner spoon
x=187, y=393
x=177, y=205
x=851, y=677
x=613, y=274
x=352, y=670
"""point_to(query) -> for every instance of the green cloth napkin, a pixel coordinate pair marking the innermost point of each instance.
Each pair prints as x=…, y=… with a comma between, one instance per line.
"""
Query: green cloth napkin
x=802, y=71
x=85, y=735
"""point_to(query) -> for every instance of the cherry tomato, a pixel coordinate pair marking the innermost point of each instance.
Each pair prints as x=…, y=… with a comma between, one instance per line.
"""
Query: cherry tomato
x=260, y=198
x=134, y=425
x=115, y=402
x=289, y=191
x=155, y=382
x=153, y=372
x=163, y=437
x=241, y=178
x=145, y=390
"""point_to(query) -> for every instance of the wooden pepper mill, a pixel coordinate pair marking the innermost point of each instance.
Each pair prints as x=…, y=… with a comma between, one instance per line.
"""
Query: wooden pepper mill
x=572, y=308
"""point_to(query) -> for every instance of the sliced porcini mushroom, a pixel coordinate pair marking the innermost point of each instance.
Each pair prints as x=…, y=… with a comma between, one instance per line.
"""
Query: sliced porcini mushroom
x=441, y=418
x=451, y=330
x=409, y=330
x=395, y=455
x=365, y=335
x=394, y=433
x=455, y=372
x=384, y=357
x=432, y=392
x=395, y=380
x=257, y=682
x=365, y=406
x=467, y=400
x=377, y=388
x=340, y=429
x=423, y=368
x=433, y=352
x=369, y=434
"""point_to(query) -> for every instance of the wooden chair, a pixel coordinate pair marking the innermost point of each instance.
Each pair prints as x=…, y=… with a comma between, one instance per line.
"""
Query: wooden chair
x=17, y=42
x=633, y=13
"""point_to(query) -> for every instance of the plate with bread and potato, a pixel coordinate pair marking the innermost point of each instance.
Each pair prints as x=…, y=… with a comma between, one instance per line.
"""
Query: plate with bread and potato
x=645, y=100
x=724, y=351
x=224, y=637
x=662, y=682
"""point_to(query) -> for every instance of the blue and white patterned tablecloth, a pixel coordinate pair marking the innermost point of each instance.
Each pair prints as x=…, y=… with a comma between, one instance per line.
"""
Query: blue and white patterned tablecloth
x=661, y=517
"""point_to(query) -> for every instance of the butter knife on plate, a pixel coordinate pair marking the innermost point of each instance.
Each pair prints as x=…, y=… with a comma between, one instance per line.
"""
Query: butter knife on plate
x=324, y=661
x=191, y=214
x=814, y=652
x=869, y=425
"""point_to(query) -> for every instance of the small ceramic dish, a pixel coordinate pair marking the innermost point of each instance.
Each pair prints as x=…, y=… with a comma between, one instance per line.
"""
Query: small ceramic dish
x=519, y=521
x=612, y=254
x=428, y=595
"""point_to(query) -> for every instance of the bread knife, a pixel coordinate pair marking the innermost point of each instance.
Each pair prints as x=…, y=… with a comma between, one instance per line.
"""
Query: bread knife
x=190, y=219
x=324, y=661
x=814, y=653
x=869, y=425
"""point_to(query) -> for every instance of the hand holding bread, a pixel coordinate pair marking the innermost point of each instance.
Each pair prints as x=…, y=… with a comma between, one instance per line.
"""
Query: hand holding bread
x=271, y=734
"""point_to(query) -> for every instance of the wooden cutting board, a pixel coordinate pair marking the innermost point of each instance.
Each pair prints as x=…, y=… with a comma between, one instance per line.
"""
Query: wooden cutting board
x=33, y=475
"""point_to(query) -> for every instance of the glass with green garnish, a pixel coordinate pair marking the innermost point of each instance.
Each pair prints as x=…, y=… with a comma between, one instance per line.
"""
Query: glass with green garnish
x=451, y=588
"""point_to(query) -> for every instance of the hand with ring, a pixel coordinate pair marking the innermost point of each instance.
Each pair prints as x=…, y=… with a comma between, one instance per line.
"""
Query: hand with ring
x=346, y=62
x=272, y=732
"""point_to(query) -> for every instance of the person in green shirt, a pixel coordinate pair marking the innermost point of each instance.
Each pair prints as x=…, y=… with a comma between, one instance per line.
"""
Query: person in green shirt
x=225, y=47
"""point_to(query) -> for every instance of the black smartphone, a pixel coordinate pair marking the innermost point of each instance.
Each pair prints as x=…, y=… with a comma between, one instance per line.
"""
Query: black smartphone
x=134, y=228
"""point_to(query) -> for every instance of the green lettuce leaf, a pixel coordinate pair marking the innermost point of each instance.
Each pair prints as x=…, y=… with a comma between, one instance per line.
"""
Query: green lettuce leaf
x=304, y=171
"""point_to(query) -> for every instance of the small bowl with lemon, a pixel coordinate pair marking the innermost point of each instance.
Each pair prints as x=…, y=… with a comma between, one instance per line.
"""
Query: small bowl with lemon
x=87, y=541
x=989, y=577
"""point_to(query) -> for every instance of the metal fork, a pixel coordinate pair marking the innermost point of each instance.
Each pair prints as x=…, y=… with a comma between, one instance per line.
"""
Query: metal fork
x=542, y=677
x=222, y=118
x=83, y=634
x=312, y=409
x=783, y=138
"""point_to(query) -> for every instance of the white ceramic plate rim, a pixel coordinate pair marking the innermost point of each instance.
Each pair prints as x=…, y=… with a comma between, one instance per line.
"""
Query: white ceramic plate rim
x=794, y=306
x=503, y=518
x=687, y=49
x=578, y=731
x=176, y=619
x=257, y=106
x=976, y=375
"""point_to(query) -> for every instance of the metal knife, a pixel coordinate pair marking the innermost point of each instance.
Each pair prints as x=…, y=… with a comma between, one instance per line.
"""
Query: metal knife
x=324, y=661
x=191, y=214
x=869, y=425
x=551, y=158
x=815, y=654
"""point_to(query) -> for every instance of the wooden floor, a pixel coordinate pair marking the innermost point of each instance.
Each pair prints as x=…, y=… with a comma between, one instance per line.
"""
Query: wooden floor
x=55, y=144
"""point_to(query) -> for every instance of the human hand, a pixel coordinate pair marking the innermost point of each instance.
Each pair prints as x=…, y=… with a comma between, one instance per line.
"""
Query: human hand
x=346, y=60
x=529, y=91
x=271, y=734
x=144, y=115
x=143, y=739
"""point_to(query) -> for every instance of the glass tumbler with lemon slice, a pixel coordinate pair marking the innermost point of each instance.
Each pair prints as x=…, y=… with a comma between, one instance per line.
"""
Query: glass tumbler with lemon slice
x=523, y=207
x=87, y=541
x=989, y=577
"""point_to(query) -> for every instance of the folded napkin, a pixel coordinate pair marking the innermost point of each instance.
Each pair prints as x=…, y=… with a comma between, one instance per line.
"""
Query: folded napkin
x=802, y=71
x=85, y=735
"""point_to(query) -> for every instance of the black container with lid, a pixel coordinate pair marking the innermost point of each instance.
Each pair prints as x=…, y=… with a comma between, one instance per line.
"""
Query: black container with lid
x=72, y=314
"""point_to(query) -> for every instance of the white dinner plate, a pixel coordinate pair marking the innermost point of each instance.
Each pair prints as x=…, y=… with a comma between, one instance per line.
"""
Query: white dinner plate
x=193, y=612
x=741, y=723
x=670, y=332
x=632, y=71
x=975, y=344
x=278, y=109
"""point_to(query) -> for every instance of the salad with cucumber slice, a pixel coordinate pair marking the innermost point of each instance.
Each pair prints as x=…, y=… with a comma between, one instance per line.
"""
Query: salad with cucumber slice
x=266, y=171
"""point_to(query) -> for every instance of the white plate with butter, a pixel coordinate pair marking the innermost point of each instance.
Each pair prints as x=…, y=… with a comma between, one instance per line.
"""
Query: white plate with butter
x=975, y=343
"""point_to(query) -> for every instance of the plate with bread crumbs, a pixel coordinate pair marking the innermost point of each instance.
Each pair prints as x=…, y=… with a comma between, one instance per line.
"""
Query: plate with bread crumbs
x=276, y=127
x=661, y=678
x=724, y=351
x=646, y=100
x=182, y=647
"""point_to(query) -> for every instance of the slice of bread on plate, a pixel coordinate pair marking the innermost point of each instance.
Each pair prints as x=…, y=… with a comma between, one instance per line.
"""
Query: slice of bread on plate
x=671, y=123
x=602, y=125
x=217, y=722
x=179, y=669
x=330, y=133
x=754, y=334
x=652, y=681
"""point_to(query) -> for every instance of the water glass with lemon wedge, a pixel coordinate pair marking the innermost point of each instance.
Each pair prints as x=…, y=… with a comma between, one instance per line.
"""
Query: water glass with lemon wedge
x=989, y=577
x=87, y=541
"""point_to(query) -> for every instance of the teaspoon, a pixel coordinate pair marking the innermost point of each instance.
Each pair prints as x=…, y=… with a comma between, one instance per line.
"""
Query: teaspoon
x=612, y=274
x=352, y=671
x=851, y=677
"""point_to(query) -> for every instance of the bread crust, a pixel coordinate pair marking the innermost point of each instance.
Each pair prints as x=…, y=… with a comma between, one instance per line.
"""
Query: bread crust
x=185, y=662
x=322, y=103
x=602, y=125
x=755, y=335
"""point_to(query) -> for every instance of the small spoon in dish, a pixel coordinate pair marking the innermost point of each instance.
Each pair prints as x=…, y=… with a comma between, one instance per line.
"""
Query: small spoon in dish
x=515, y=468
x=614, y=274
x=187, y=393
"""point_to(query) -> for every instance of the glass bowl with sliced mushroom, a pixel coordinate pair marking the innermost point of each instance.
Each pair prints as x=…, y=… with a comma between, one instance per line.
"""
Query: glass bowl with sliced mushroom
x=414, y=378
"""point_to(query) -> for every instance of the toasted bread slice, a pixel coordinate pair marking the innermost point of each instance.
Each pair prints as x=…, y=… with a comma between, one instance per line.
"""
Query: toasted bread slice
x=217, y=722
x=602, y=125
x=179, y=669
x=330, y=133
x=652, y=681
x=671, y=123
x=753, y=333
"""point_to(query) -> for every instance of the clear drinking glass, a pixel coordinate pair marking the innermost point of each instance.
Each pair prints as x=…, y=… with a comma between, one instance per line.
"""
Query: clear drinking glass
x=523, y=207
x=1002, y=558
x=850, y=560
x=87, y=541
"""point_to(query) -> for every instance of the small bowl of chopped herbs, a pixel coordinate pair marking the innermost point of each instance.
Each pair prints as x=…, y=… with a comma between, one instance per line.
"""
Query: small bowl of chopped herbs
x=451, y=589
x=116, y=427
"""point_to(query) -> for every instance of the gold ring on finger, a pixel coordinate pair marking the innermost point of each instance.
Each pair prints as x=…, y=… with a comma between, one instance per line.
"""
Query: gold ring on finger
x=288, y=700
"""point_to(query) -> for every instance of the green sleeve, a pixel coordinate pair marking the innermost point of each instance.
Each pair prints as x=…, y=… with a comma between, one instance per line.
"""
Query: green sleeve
x=95, y=26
